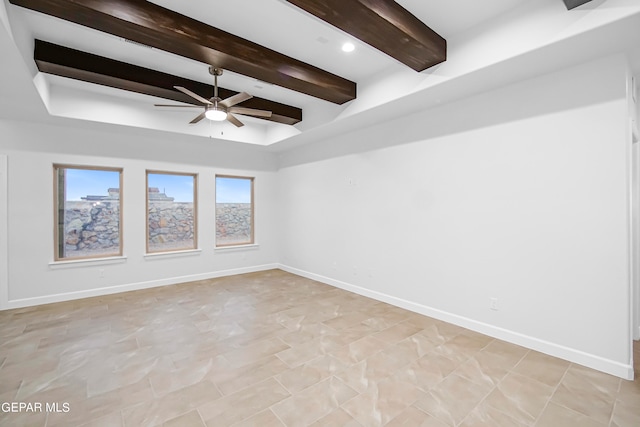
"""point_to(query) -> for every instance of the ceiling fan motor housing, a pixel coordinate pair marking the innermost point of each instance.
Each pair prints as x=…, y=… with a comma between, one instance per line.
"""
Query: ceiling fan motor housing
x=214, y=71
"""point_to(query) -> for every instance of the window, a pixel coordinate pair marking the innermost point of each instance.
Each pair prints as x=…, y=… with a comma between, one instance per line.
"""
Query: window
x=87, y=212
x=234, y=210
x=171, y=211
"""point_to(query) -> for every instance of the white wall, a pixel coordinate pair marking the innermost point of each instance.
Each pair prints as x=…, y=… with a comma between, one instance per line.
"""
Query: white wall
x=635, y=240
x=4, y=244
x=31, y=150
x=634, y=116
x=519, y=194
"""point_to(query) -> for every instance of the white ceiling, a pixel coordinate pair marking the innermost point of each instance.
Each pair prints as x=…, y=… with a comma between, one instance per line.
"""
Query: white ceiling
x=480, y=34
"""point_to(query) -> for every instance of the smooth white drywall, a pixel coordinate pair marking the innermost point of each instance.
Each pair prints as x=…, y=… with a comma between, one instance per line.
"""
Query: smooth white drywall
x=635, y=239
x=32, y=150
x=519, y=194
x=4, y=244
x=632, y=96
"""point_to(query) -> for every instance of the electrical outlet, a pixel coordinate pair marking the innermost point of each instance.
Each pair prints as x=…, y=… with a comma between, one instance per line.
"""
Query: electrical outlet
x=493, y=304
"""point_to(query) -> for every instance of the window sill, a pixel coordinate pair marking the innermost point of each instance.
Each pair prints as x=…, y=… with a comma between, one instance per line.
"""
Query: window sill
x=87, y=262
x=172, y=254
x=250, y=246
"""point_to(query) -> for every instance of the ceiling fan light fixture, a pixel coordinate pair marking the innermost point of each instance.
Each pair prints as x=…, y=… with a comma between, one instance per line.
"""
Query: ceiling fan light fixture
x=215, y=114
x=348, y=47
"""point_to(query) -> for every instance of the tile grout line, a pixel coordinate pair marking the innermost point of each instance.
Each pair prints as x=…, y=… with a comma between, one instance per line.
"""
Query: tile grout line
x=495, y=386
x=555, y=389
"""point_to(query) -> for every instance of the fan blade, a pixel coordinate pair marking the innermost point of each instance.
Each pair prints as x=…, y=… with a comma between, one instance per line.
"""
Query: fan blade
x=193, y=95
x=176, y=105
x=250, y=112
x=197, y=119
x=233, y=119
x=235, y=99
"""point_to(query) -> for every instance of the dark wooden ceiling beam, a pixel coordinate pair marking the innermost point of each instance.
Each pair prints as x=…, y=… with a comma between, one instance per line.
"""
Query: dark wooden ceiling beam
x=385, y=25
x=574, y=3
x=147, y=23
x=63, y=61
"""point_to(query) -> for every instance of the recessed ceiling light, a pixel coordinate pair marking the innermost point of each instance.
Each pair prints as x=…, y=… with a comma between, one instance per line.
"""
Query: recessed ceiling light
x=348, y=47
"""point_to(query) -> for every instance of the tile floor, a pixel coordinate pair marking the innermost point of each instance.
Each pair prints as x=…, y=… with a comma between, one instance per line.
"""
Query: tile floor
x=274, y=349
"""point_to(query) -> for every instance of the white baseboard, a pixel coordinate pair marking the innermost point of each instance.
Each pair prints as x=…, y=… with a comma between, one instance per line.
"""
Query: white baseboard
x=612, y=367
x=48, y=299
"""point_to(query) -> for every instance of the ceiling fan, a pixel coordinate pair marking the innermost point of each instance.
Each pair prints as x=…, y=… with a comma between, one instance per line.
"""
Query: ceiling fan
x=218, y=109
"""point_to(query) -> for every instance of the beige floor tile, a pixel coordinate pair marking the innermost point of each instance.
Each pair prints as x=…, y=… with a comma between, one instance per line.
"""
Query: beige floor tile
x=441, y=332
x=630, y=392
x=356, y=332
x=314, y=402
x=254, y=352
x=69, y=394
x=414, y=417
x=170, y=406
x=263, y=419
x=625, y=415
x=397, y=332
x=410, y=348
x=359, y=350
x=303, y=376
x=190, y=419
x=305, y=332
x=471, y=341
x=346, y=320
x=113, y=419
x=243, y=404
x=521, y=397
x=556, y=415
x=233, y=380
x=303, y=353
x=382, y=402
x=453, y=399
x=604, y=383
x=96, y=407
x=275, y=349
x=484, y=415
x=337, y=418
x=167, y=381
x=384, y=315
x=370, y=371
x=509, y=353
x=450, y=353
x=23, y=419
x=487, y=366
x=428, y=371
x=589, y=392
x=421, y=321
x=541, y=367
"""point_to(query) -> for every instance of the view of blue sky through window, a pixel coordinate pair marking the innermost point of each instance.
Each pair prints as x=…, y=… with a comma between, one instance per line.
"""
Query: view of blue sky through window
x=233, y=190
x=89, y=182
x=85, y=182
x=180, y=187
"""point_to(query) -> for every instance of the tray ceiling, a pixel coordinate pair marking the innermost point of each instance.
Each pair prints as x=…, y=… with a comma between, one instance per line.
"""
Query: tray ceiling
x=285, y=53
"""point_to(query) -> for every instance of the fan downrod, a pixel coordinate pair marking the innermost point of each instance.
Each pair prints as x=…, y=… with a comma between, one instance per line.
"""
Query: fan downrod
x=215, y=72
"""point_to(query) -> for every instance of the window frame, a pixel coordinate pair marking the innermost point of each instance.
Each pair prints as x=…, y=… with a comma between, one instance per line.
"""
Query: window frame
x=252, y=240
x=56, y=211
x=194, y=175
